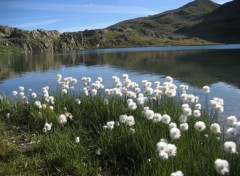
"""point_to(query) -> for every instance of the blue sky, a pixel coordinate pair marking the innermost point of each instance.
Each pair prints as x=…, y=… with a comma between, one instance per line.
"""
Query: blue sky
x=78, y=15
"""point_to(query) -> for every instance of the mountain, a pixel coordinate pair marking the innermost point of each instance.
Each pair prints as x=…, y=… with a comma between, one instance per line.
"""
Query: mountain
x=221, y=25
x=170, y=21
x=160, y=29
x=191, y=24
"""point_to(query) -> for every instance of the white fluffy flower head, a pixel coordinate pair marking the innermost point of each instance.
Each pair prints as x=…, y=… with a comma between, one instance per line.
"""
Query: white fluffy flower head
x=206, y=89
x=166, y=119
x=62, y=119
x=215, y=128
x=232, y=120
x=175, y=133
x=178, y=173
x=221, y=166
x=200, y=126
x=230, y=147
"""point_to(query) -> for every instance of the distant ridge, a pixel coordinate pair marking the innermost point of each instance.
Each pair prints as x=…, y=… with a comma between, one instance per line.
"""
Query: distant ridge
x=170, y=21
x=221, y=25
x=196, y=23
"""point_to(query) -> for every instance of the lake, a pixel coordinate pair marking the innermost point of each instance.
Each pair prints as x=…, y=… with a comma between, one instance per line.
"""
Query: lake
x=217, y=66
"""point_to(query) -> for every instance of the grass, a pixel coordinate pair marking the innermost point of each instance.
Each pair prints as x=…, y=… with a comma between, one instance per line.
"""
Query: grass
x=9, y=49
x=123, y=150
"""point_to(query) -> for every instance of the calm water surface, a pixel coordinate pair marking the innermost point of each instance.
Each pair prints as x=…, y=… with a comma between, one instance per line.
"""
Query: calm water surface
x=216, y=66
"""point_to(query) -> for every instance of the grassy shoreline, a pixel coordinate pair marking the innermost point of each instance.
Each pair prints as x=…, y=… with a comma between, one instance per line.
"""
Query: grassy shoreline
x=125, y=130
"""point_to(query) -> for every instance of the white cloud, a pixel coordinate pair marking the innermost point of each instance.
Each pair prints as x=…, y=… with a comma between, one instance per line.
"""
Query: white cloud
x=82, y=28
x=36, y=24
x=86, y=8
x=33, y=17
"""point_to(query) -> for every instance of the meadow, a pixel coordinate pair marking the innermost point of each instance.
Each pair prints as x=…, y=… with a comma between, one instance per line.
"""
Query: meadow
x=145, y=128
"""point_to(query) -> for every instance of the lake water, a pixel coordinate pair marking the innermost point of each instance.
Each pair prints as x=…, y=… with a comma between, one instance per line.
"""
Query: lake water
x=217, y=66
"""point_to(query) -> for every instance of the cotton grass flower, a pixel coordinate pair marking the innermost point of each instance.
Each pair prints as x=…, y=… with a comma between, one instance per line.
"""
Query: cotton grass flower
x=185, y=105
x=77, y=140
x=105, y=101
x=130, y=121
x=178, y=173
x=182, y=118
x=166, y=119
x=98, y=152
x=132, y=130
x=161, y=146
x=232, y=120
x=94, y=92
x=231, y=132
x=123, y=118
x=163, y=155
x=175, y=133
x=157, y=117
x=86, y=93
x=149, y=114
x=184, y=97
x=21, y=94
x=165, y=150
x=59, y=77
x=34, y=95
x=44, y=106
x=169, y=79
x=47, y=127
x=221, y=166
x=172, y=125
x=110, y=125
x=198, y=106
x=21, y=88
x=51, y=108
x=69, y=115
x=62, y=119
x=230, y=147
x=14, y=93
x=77, y=101
x=184, y=126
x=171, y=93
x=215, y=128
x=140, y=100
x=200, y=126
x=183, y=87
x=38, y=104
x=206, y=89
x=196, y=113
x=191, y=98
x=219, y=108
x=171, y=150
x=187, y=111
x=64, y=91
x=132, y=106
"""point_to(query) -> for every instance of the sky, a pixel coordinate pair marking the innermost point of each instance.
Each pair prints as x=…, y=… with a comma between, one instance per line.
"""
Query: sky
x=78, y=15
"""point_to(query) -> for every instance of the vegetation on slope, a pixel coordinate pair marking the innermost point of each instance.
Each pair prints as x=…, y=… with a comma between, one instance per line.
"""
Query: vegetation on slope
x=221, y=25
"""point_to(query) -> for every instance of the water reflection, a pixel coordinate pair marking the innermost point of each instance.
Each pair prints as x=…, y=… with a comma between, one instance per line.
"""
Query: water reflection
x=196, y=67
x=217, y=68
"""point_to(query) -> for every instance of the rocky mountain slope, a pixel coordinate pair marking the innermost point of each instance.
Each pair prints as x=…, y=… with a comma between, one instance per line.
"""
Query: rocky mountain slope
x=188, y=25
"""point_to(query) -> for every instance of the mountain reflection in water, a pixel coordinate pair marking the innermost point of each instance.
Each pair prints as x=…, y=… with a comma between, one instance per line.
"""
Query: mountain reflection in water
x=217, y=68
x=195, y=67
